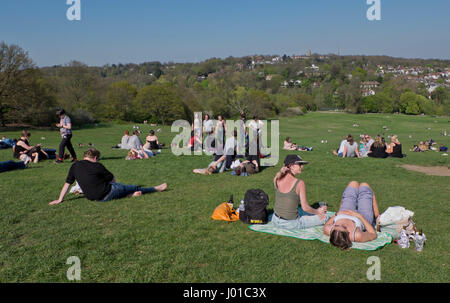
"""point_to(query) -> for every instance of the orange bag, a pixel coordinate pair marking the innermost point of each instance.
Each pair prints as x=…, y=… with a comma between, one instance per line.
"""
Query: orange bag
x=224, y=212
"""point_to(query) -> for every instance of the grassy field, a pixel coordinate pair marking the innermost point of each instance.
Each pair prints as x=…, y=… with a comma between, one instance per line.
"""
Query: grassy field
x=170, y=236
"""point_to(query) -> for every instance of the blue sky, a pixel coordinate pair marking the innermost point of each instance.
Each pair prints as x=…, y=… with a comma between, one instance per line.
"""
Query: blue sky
x=120, y=31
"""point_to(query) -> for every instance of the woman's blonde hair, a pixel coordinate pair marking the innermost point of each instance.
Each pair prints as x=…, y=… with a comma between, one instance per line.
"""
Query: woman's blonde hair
x=378, y=141
x=394, y=138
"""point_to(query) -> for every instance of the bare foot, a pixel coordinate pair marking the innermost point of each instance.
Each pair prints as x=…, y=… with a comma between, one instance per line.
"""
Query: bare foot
x=161, y=187
x=137, y=194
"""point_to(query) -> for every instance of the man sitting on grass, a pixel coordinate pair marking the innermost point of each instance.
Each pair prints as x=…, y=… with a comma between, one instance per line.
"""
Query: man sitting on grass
x=97, y=183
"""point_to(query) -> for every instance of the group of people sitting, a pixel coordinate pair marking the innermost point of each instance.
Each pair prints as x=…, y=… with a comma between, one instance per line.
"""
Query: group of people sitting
x=424, y=146
x=355, y=221
x=226, y=152
x=230, y=159
x=368, y=147
x=214, y=132
x=24, y=152
x=137, y=149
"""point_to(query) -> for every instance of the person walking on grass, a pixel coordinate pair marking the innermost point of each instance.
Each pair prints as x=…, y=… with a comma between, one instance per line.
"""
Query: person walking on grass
x=97, y=183
x=65, y=128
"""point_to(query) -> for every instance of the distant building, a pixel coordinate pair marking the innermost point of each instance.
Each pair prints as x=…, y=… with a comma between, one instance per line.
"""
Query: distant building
x=368, y=92
x=370, y=85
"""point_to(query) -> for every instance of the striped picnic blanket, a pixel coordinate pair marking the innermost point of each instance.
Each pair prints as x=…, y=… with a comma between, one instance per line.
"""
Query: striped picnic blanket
x=316, y=233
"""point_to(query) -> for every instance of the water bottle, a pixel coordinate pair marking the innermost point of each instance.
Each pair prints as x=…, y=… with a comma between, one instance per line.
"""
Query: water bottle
x=404, y=240
x=242, y=206
x=419, y=240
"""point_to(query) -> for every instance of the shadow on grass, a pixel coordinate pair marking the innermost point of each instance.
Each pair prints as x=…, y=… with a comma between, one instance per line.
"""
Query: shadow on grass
x=112, y=158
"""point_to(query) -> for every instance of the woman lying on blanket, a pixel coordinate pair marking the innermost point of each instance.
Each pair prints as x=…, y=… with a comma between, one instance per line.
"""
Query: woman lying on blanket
x=291, y=208
x=355, y=220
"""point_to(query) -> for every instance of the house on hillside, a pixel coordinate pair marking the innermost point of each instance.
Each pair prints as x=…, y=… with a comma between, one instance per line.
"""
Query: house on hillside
x=276, y=59
x=368, y=92
x=370, y=85
x=368, y=88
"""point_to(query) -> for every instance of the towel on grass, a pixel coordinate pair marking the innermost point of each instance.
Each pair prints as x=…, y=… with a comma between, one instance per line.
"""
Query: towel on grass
x=316, y=233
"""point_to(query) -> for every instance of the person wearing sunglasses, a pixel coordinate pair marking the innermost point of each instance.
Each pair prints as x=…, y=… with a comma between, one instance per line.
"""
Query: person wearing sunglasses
x=292, y=210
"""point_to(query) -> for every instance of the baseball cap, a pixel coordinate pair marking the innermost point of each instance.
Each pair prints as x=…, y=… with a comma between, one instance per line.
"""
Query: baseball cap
x=292, y=159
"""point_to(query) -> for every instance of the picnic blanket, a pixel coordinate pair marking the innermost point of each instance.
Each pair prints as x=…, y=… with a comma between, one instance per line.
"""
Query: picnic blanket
x=316, y=233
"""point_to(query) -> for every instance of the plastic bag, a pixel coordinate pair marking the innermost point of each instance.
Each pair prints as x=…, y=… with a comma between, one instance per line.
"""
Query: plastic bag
x=224, y=212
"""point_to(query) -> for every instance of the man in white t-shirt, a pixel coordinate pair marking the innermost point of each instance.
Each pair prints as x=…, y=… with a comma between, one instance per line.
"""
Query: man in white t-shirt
x=340, y=151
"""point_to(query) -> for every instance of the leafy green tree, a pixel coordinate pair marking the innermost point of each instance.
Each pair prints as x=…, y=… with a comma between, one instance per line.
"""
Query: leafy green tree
x=412, y=108
x=370, y=104
x=14, y=72
x=120, y=97
x=360, y=73
x=439, y=95
x=158, y=103
x=75, y=87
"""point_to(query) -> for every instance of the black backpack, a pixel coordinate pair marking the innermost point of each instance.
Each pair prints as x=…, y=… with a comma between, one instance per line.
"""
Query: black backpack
x=255, y=202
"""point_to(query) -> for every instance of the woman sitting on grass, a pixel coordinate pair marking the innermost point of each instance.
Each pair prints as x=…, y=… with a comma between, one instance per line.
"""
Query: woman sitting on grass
x=378, y=148
x=192, y=142
x=152, y=143
x=124, y=141
x=355, y=220
x=23, y=149
x=292, y=210
x=395, y=148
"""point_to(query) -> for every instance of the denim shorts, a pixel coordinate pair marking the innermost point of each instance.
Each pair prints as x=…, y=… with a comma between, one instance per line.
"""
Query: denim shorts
x=359, y=200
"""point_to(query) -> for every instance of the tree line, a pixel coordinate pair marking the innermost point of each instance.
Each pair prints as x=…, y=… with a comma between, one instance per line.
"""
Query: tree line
x=162, y=93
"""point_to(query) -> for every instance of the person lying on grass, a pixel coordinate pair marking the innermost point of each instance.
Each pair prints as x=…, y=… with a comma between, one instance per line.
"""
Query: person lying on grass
x=288, y=145
x=134, y=154
x=249, y=166
x=292, y=210
x=356, y=218
x=216, y=166
x=98, y=184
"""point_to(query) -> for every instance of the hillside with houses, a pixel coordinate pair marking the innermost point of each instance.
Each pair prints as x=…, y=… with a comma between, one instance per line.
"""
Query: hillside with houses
x=266, y=85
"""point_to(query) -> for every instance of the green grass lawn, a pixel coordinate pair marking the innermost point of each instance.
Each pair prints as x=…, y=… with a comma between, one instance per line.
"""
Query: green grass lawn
x=170, y=236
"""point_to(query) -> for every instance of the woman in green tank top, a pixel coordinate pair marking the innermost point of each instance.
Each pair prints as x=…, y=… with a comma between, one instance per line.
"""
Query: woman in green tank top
x=291, y=207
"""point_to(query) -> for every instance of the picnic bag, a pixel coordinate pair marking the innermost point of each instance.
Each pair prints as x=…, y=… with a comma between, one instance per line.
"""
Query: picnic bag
x=224, y=212
x=255, y=203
